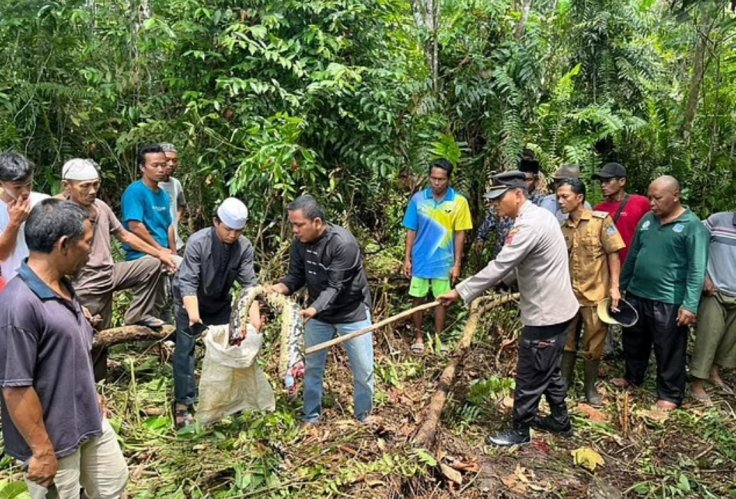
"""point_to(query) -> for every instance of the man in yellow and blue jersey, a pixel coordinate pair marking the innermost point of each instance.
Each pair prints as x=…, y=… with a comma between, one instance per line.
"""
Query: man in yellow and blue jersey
x=436, y=220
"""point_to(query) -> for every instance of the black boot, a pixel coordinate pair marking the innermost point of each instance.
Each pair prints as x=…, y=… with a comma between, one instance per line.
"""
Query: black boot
x=591, y=376
x=507, y=438
x=567, y=368
x=557, y=422
x=551, y=425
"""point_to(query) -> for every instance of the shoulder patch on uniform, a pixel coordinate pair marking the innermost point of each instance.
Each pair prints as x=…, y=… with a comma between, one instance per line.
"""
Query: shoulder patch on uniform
x=510, y=235
x=600, y=214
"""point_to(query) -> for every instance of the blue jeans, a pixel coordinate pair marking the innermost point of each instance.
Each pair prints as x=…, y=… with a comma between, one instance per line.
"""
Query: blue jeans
x=360, y=354
x=185, y=385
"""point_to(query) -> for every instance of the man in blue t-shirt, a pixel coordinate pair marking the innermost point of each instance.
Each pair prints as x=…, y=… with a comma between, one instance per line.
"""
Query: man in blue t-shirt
x=145, y=205
x=436, y=221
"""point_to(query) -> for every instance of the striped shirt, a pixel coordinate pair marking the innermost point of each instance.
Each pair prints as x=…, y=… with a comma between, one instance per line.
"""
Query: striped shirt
x=722, y=261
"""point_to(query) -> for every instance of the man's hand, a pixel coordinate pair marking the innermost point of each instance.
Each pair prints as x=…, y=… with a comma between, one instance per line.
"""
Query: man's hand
x=685, y=317
x=449, y=298
x=257, y=323
x=194, y=320
x=308, y=313
x=279, y=288
x=103, y=405
x=407, y=268
x=42, y=467
x=168, y=260
x=455, y=274
x=18, y=211
x=709, y=288
x=615, y=298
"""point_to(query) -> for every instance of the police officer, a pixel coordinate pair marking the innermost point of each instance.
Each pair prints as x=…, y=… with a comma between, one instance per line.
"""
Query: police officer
x=535, y=250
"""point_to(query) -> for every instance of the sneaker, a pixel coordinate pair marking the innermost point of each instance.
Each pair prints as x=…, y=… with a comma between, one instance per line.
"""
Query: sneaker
x=552, y=426
x=507, y=438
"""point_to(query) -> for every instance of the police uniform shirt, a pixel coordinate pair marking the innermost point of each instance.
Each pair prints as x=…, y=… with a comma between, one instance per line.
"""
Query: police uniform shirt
x=535, y=249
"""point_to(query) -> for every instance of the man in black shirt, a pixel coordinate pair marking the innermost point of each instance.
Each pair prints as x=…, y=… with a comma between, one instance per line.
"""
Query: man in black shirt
x=214, y=259
x=327, y=260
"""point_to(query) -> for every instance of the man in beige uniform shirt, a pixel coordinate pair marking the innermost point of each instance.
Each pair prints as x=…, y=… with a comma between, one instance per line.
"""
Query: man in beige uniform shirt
x=595, y=268
x=535, y=250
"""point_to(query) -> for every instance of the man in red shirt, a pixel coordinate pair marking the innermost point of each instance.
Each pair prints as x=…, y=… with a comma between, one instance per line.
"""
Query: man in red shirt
x=625, y=209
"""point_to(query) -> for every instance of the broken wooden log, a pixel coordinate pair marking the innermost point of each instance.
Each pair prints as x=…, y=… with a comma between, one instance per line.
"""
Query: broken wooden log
x=124, y=334
x=424, y=436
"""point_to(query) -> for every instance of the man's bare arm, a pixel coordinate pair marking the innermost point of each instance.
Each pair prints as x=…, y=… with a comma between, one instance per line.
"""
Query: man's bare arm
x=26, y=412
x=140, y=230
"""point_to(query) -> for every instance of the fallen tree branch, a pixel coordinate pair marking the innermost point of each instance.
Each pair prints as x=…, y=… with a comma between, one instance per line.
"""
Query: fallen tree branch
x=426, y=432
x=124, y=334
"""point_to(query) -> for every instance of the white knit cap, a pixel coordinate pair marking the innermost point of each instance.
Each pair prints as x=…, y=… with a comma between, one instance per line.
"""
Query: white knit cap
x=79, y=169
x=233, y=213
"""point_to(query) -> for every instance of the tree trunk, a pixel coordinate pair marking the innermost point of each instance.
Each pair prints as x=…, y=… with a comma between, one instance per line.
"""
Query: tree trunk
x=700, y=64
x=124, y=334
x=427, y=17
x=426, y=433
x=526, y=8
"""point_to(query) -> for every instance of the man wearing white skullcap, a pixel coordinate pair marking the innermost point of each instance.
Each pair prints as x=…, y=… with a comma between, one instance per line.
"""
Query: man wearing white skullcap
x=214, y=259
x=101, y=276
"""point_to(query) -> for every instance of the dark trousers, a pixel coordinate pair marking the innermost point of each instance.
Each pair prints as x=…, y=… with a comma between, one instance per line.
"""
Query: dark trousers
x=657, y=327
x=185, y=385
x=538, y=373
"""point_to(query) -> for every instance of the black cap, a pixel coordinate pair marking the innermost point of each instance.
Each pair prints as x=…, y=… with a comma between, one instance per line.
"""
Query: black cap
x=610, y=170
x=502, y=182
x=529, y=165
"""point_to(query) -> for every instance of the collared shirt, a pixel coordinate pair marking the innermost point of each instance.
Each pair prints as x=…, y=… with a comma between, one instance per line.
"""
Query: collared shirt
x=550, y=204
x=667, y=262
x=45, y=343
x=151, y=208
x=97, y=272
x=590, y=240
x=630, y=216
x=498, y=226
x=177, y=200
x=332, y=270
x=436, y=223
x=210, y=268
x=722, y=255
x=535, y=249
x=9, y=267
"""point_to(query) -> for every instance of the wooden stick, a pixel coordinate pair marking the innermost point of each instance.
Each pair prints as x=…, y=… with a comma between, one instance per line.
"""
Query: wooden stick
x=426, y=432
x=384, y=322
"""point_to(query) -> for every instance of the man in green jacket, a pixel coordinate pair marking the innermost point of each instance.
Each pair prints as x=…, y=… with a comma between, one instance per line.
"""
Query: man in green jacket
x=663, y=278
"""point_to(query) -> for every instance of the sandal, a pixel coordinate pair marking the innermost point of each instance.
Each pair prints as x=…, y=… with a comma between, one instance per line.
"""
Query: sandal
x=183, y=418
x=417, y=348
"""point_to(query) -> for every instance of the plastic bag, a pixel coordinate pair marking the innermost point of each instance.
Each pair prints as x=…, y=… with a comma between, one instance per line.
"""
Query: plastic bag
x=231, y=379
